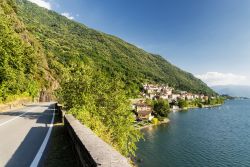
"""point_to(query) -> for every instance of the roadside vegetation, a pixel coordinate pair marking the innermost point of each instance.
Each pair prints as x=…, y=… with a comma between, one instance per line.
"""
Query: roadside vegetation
x=94, y=73
x=99, y=102
x=22, y=65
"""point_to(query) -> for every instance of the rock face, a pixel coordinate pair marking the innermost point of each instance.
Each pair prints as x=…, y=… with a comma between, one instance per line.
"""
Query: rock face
x=45, y=96
x=91, y=150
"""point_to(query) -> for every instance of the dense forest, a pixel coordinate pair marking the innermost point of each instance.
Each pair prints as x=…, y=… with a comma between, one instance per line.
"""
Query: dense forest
x=92, y=73
x=66, y=41
x=23, y=66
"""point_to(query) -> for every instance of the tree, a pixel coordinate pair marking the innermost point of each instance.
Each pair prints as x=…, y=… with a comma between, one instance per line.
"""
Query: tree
x=19, y=58
x=161, y=107
x=99, y=101
x=183, y=103
x=33, y=89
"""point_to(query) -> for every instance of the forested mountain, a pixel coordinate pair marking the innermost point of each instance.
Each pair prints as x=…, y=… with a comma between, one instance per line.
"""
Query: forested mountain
x=92, y=73
x=23, y=65
x=66, y=41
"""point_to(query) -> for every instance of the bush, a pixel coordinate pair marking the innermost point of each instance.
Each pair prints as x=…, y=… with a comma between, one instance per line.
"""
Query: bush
x=161, y=108
x=155, y=121
x=200, y=105
x=183, y=103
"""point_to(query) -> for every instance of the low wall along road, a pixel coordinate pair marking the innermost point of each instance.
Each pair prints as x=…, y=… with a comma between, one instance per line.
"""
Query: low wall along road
x=90, y=149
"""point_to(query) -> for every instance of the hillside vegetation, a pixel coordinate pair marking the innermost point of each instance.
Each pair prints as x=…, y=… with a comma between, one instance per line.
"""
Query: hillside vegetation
x=22, y=62
x=92, y=73
x=66, y=41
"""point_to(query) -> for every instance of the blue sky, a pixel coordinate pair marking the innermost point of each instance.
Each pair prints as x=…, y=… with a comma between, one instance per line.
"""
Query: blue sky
x=209, y=38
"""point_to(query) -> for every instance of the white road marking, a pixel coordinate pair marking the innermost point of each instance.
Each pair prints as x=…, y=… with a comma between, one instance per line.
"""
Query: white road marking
x=4, y=123
x=39, y=154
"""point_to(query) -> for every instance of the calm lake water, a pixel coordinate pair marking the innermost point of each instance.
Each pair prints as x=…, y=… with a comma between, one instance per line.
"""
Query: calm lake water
x=216, y=137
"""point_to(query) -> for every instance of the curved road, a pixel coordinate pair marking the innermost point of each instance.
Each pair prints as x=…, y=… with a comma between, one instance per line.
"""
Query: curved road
x=24, y=134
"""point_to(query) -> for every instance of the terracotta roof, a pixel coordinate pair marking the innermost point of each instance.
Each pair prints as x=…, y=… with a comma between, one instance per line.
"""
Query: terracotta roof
x=142, y=105
x=144, y=112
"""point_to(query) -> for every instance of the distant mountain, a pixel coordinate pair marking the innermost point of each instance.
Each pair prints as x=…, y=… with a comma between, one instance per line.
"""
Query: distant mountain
x=233, y=90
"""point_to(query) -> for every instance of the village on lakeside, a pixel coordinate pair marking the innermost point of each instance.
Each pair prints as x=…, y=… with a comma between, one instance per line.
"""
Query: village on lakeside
x=157, y=101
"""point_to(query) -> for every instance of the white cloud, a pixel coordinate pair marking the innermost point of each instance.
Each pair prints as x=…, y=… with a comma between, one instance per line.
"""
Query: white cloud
x=68, y=15
x=216, y=78
x=42, y=3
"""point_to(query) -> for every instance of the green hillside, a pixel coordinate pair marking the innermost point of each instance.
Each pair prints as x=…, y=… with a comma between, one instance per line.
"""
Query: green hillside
x=65, y=42
x=92, y=73
x=23, y=66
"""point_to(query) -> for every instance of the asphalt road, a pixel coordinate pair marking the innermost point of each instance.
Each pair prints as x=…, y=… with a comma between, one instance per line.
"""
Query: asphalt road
x=24, y=134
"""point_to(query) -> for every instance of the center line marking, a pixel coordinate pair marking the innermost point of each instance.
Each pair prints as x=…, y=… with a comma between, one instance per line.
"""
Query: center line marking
x=16, y=117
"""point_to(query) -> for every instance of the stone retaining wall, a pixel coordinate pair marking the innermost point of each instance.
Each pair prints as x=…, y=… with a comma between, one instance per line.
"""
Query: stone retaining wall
x=15, y=104
x=90, y=149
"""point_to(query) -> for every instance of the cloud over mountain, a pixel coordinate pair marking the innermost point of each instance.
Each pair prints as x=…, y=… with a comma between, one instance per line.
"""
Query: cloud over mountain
x=216, y=78
x=42, y=3
x=68, y=15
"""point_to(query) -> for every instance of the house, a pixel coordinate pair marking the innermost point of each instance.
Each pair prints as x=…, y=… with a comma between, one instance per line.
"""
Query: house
x=174, y=97
x=144, y=115
x=150, y=89
x=189, y=96
x=153, y=91
x=182, y=97
x=143, y=111
x=183, y=92
x=196, y=96
x=205, y=97
x=167, y=90
x=164, y=96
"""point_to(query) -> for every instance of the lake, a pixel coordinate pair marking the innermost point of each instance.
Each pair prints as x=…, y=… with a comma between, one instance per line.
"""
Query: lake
x=214, y=137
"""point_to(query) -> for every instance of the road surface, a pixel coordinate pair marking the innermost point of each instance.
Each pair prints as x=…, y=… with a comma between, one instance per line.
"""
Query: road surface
x=24, y=134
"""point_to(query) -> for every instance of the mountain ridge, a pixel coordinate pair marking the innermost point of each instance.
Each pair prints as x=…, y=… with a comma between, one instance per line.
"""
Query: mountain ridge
x=233, y=90
x=64, y=43
x=112, y=53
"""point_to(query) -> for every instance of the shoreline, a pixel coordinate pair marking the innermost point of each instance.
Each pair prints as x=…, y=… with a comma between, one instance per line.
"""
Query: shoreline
x=177, y=110
x=151, y=125
x=205, y=106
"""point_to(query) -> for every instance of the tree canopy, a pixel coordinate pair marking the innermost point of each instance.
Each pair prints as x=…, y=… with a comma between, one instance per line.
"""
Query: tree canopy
x=161, y=107
x=64, y=40
x=99, y=101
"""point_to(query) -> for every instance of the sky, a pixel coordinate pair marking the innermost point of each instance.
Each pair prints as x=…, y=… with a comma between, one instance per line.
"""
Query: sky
x=209, y=38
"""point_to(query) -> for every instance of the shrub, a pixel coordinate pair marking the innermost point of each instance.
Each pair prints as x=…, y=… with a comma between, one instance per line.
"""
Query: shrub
x=155, y=121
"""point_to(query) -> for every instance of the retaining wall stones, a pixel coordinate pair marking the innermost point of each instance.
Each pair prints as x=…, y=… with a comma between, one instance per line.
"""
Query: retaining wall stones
x=90, y=149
